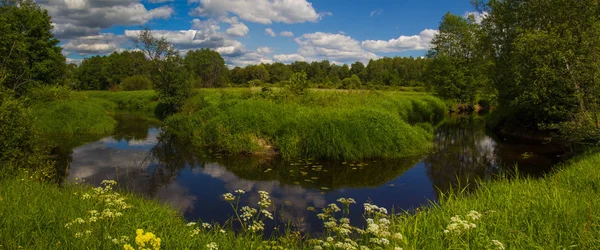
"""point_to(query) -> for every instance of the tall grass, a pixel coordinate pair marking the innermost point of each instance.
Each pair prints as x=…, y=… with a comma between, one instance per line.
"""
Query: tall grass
x=74, y=116
x=322, y=124
x=560, y=211
x=142, y=100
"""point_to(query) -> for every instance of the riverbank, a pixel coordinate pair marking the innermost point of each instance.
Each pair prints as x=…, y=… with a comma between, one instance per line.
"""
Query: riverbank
x=324, y=124
x=561, y=210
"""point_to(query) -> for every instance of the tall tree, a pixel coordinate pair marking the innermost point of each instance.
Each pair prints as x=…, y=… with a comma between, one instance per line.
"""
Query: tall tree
x=29, y=53
x=457, y=68
x=546, y=56
x=168, y=75
x=208, y=65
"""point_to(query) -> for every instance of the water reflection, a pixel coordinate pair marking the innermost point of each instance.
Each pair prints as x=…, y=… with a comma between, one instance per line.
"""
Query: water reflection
x=156, y=165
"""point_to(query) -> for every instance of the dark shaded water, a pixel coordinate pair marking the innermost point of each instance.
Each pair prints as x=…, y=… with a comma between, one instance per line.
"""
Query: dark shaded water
x=151, y=164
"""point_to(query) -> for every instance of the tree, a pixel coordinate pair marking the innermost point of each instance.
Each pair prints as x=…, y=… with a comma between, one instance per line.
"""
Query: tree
x=298, y=83
x=208, y=65
x=29, y=53
x=169, y=77
x=545, y=58
x=457, y=68
x=91, y=74
x=352, y=82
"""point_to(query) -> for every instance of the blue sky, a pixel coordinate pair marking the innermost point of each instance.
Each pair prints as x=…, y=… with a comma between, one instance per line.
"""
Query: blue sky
x=252, y=31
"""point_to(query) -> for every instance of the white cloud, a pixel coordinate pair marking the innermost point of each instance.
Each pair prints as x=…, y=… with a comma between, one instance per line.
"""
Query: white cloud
x=479, y=16
x=286, y=33
x=270, y=32
x=402, y=43
x=376, y=12
x=160, y=1
x=98, y=44
x=250, y=58
x=288, y=58
x=74, y=18
x=335, y=47
x=238, y=29
x=260, y=11
x=264, y=50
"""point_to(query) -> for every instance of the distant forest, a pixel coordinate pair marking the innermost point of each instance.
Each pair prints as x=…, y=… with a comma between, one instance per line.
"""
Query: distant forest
x=206, y=68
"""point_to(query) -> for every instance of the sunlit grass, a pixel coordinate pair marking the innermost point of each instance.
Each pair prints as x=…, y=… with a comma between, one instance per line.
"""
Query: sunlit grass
x=329, y=124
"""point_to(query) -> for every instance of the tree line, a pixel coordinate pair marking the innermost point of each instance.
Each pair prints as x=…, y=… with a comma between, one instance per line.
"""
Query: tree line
x=206, y=68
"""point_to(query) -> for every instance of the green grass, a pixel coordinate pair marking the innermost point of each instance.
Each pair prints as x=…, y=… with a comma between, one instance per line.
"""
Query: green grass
x=560, y=211
x=141, y=100
x=74, y=116
x=331, y=124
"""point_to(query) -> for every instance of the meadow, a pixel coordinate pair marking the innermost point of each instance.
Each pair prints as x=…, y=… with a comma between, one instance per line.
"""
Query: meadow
x=325, y=124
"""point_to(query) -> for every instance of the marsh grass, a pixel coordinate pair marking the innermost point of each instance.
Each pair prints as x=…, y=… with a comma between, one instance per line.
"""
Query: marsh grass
x=74, y=116
x=560, y=211
x=333, y=124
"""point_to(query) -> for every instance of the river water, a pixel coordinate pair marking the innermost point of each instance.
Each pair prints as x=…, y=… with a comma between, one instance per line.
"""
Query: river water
x=151, y=164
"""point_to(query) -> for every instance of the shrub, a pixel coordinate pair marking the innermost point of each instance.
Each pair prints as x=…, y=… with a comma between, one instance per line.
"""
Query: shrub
x=298, y=83
x=137, y=82
x=19, y=143
x=47, y=93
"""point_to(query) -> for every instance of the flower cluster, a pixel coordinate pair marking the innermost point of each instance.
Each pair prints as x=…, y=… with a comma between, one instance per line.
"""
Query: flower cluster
x=144, y=241
x=252, y=219
x=458, y=225
x=212, y=246
x=110, y=204
x=377, y=234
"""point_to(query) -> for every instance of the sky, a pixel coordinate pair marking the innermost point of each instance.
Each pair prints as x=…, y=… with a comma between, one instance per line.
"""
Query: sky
x=248, y=32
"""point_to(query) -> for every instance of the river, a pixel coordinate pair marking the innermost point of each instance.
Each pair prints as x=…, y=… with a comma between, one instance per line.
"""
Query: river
x=153, y=165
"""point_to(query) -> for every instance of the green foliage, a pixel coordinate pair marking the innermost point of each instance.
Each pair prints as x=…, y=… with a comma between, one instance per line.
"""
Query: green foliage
x=351, y=82
x=457, y=70
x=143, y=100
x=19, y=143
x=545, y=58
x=324, y=124
x=208, y=65
x=137, y=82
x=298, y=83
x=74, y=117
x=169, y=78
x=29, y=53
x=49, y=93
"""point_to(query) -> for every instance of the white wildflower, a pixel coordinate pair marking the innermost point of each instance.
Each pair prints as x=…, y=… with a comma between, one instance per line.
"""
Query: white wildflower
x=228, y=197
x=497, y=245
x=473, y=215
x=206, y=225
x=212, y=246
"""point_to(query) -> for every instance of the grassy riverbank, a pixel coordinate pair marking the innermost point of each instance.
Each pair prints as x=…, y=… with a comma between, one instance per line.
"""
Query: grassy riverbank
x=556, y=212
x=328, y=124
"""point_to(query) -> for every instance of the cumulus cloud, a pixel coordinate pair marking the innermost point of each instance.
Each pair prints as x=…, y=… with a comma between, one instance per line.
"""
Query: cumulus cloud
x=98, y=44
x=238, y=29
x=160, y=1
x=250, y=58
x=260, y=11
x=270, y=32
x=288, y=58
x=264, y=50
x=402, y=43
x=286, y=33
x=337, y=47
x=74, y=18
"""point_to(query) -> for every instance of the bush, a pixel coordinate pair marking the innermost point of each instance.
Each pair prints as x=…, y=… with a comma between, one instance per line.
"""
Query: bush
x=298, y=83
x=47, y=93
x=137, y=82
x=19, y=143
